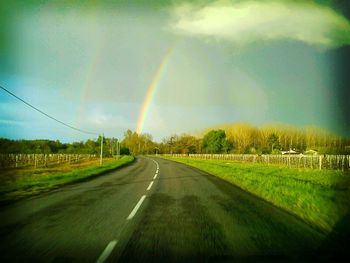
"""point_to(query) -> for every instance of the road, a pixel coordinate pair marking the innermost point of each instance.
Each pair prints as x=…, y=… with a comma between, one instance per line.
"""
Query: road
x=153, y=210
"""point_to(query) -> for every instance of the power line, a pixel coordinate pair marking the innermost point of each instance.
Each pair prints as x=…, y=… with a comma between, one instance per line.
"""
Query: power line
x=47, y=115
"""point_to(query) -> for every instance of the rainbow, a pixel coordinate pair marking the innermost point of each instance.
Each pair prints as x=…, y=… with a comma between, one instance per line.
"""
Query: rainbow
x=88, y=77
x=151, y=91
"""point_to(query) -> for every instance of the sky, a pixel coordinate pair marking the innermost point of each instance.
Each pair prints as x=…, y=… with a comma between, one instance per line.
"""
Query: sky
x=165, y=67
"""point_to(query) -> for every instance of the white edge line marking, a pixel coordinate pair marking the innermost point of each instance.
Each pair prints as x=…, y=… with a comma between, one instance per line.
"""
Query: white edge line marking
x=155, y=176
x=108, y=250
x=150, y=185
x=133, y=212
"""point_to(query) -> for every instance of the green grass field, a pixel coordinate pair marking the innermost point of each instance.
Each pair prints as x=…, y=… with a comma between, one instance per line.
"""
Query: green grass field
x=320, y=198
x=19, y=183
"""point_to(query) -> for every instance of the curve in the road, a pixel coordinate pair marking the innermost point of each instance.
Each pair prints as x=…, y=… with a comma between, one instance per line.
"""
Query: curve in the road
x=154, y=210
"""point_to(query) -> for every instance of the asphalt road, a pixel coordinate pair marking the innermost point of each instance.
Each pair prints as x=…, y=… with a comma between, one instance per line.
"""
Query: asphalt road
x=153, y=210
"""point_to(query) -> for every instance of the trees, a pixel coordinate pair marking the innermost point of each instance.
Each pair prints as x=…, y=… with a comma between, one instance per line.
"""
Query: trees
x=184, y=144
x=91, y=146
x=47, y=146
x=131, y=142
x=138, y=143
x=243, y=136
x=249, y=139
x=238, y=138
x=273, y=141
x=188, y=144
x=170, y=144
x=215, y=142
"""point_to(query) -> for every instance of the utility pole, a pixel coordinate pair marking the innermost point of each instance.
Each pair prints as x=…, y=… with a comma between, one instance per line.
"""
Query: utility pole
x=117, y=148
x=112, y=147
x=101, y=149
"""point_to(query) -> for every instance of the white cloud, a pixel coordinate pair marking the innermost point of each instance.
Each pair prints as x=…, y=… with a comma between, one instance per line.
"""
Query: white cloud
x=246, y=22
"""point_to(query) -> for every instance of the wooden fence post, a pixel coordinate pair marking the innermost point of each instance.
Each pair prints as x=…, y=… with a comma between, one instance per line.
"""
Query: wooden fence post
x=289, y=160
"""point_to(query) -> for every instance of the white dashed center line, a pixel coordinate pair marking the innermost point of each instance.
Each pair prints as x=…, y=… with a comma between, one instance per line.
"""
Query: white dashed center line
x=150, y=185
x=108, y=250
x=133, y=212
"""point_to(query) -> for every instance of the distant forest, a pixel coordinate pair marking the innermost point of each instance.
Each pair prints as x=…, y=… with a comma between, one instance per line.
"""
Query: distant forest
x=232, y=138
x=49, y=146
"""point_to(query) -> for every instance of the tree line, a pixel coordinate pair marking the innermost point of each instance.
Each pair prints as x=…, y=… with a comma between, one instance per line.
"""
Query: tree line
x=241, y=138
x=110, y=147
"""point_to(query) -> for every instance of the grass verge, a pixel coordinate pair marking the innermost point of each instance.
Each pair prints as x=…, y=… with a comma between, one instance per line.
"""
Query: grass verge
x=17, y=184
x=320, y=198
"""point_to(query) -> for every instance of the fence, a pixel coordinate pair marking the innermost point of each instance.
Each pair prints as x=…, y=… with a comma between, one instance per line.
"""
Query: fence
x=336, y=162
x=40, y=160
